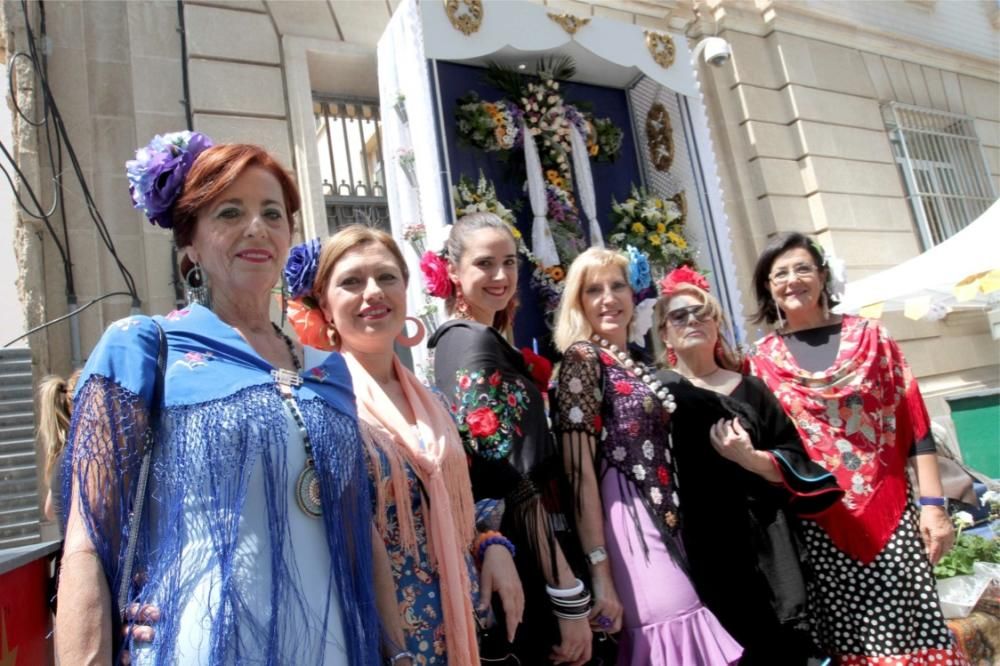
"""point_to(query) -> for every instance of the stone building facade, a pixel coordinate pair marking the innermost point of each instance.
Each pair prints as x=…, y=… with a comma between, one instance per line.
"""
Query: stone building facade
x=796, y=118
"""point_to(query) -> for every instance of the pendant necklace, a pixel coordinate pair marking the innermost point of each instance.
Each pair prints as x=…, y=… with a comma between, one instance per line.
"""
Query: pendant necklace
x=307, y=491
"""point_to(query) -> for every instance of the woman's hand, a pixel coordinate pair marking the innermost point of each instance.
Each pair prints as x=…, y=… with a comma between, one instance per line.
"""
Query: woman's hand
x=142, y=621
x=733, y=443
x=500, y=575
x=576, y=643
x=937, y=532
x=606, y=615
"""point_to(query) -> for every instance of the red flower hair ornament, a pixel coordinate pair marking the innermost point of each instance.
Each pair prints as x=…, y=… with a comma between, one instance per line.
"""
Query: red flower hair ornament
x=435, y=271
x=309, y=324
x=681, y=276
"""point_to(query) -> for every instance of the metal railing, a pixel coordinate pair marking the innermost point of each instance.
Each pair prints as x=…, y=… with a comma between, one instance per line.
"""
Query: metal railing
x=349, y=138
x=941, y=160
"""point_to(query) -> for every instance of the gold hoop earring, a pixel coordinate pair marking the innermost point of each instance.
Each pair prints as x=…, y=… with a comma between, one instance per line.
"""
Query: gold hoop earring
x=461, y=306
x=332, y=336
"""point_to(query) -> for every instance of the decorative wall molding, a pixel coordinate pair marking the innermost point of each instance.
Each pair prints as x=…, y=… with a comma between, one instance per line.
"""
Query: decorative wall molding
x=568, y=22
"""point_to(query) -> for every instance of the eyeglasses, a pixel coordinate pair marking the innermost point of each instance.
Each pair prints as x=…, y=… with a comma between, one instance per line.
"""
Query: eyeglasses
x=800, y=271
x=679, y=316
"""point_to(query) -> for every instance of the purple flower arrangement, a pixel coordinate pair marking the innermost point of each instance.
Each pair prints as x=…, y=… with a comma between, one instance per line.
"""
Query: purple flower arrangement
x=156, y=175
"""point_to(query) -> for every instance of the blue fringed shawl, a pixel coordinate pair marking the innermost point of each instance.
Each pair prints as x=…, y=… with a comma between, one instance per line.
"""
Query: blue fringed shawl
x=221, y=418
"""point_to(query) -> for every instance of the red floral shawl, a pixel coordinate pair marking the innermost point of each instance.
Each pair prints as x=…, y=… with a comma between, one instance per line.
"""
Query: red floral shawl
x=858, y=419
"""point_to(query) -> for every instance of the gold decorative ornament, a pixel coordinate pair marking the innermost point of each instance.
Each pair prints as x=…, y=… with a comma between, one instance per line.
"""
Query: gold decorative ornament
x=467, y=21
x=568, y=22
x=661, y=47
x=682, y=203
x=659, y=137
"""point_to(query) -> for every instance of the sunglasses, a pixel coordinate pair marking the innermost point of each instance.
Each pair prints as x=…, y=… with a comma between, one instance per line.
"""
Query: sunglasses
x=680, y=316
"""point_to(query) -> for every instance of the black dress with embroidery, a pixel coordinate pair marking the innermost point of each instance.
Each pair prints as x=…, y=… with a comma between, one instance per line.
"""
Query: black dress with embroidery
x=512, y=458
x=741, y=551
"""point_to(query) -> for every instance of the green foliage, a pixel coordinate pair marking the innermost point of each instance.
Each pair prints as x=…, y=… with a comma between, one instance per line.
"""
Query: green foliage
x=967, y=550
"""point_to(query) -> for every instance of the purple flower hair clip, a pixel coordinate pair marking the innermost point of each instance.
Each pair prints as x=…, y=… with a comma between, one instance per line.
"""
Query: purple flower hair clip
x=301, y=267
x=156, y=175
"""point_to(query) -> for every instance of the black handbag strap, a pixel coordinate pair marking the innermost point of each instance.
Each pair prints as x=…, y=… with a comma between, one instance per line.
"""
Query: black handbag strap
x=149, y=439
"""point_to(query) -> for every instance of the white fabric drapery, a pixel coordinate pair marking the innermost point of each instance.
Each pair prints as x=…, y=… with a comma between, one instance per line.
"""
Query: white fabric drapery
x=542, y=244
x=585, y=185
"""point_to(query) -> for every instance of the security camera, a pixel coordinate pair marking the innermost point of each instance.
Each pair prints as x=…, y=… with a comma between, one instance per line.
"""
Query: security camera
x=716, y=50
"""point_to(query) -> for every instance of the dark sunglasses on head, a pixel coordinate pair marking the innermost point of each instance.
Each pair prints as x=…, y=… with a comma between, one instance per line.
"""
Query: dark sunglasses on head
x=680, y=316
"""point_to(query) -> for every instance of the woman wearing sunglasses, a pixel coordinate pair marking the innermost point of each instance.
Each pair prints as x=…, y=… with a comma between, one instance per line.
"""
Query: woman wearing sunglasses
x=613, y=418
x=741, y=466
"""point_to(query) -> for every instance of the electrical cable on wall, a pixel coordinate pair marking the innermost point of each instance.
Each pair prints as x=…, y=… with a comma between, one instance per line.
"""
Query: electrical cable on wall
x=50, y=111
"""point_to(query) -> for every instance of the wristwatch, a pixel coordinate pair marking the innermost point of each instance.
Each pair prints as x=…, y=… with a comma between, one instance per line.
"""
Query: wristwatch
x=934, y=501
x=597, y=555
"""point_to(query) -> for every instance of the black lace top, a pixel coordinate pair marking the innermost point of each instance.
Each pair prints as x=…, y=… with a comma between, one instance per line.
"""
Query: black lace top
x=599, y=397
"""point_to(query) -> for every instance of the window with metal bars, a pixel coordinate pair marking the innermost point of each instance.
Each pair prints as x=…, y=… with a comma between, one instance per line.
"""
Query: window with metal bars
x=943, y=168
x=349, y=141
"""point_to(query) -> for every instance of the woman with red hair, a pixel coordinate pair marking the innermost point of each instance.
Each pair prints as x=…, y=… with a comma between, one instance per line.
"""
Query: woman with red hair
x=256, y=537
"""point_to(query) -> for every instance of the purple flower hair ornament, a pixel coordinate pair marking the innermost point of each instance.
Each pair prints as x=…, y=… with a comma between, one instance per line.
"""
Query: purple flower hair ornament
x=156, y=175
x=301, y=267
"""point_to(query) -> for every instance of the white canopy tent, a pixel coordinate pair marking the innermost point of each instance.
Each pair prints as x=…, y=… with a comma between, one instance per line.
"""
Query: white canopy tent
x=960, y=273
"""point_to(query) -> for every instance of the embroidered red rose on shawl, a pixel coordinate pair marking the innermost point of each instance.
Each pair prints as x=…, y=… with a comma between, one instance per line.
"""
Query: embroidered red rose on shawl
x=539, y=367
x=464, y=382
x=607, y=360
x=623, y=387
x=663, y=475
x=495, y=378
x=482, y=422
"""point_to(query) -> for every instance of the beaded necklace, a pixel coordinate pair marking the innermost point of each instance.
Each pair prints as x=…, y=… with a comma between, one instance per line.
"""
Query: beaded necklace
x=307, y=492
x=640, y=372
x=643, y=374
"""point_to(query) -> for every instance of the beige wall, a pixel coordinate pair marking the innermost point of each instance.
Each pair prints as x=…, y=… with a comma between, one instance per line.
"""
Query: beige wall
x=795, y=123
x=800, y=137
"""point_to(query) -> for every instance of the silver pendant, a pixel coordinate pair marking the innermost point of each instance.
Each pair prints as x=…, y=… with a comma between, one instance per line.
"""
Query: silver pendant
x=307, y=491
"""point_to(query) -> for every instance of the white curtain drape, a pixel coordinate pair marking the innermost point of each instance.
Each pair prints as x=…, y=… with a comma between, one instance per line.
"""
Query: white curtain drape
x=585, y=185
x=403, y=70
x=542, y=244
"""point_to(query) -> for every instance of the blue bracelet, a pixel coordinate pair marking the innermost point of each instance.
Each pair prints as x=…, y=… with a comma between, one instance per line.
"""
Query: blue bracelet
x=498, y=540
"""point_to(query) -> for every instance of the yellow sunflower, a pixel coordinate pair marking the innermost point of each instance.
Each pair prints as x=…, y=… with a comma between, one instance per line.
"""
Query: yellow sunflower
x=677, y=240
x=639, y=228
x=654, y=239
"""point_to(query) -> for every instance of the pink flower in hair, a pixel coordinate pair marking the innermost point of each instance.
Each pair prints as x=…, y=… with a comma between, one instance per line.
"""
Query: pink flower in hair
x=681, y=276
x=435, y=270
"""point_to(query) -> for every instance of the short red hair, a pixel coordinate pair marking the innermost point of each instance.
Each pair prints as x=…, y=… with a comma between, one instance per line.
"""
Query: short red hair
x=216, y=169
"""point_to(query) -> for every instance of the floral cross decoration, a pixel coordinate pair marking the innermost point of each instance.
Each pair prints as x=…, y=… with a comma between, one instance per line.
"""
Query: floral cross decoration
x=538, y=107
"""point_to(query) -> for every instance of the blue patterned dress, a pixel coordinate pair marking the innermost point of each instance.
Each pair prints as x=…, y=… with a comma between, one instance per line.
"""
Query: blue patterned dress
x=417, y=587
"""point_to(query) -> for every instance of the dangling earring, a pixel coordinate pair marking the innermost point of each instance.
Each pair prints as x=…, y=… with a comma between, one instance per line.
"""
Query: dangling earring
x=332, y=336
x=284, y=299
x=416, y=338
x=781, y=320
x=461, y=307
x=671, y=356
x=196, y=288
x=826, y=305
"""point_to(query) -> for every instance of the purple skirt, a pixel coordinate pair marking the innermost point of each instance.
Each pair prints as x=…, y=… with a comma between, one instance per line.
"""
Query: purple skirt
x=664, y=622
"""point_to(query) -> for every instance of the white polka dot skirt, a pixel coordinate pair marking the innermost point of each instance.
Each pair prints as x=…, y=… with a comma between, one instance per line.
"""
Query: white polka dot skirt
x=885, y=613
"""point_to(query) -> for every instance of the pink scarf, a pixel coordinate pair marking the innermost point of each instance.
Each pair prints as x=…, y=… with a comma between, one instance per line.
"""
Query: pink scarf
x=439, y=461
